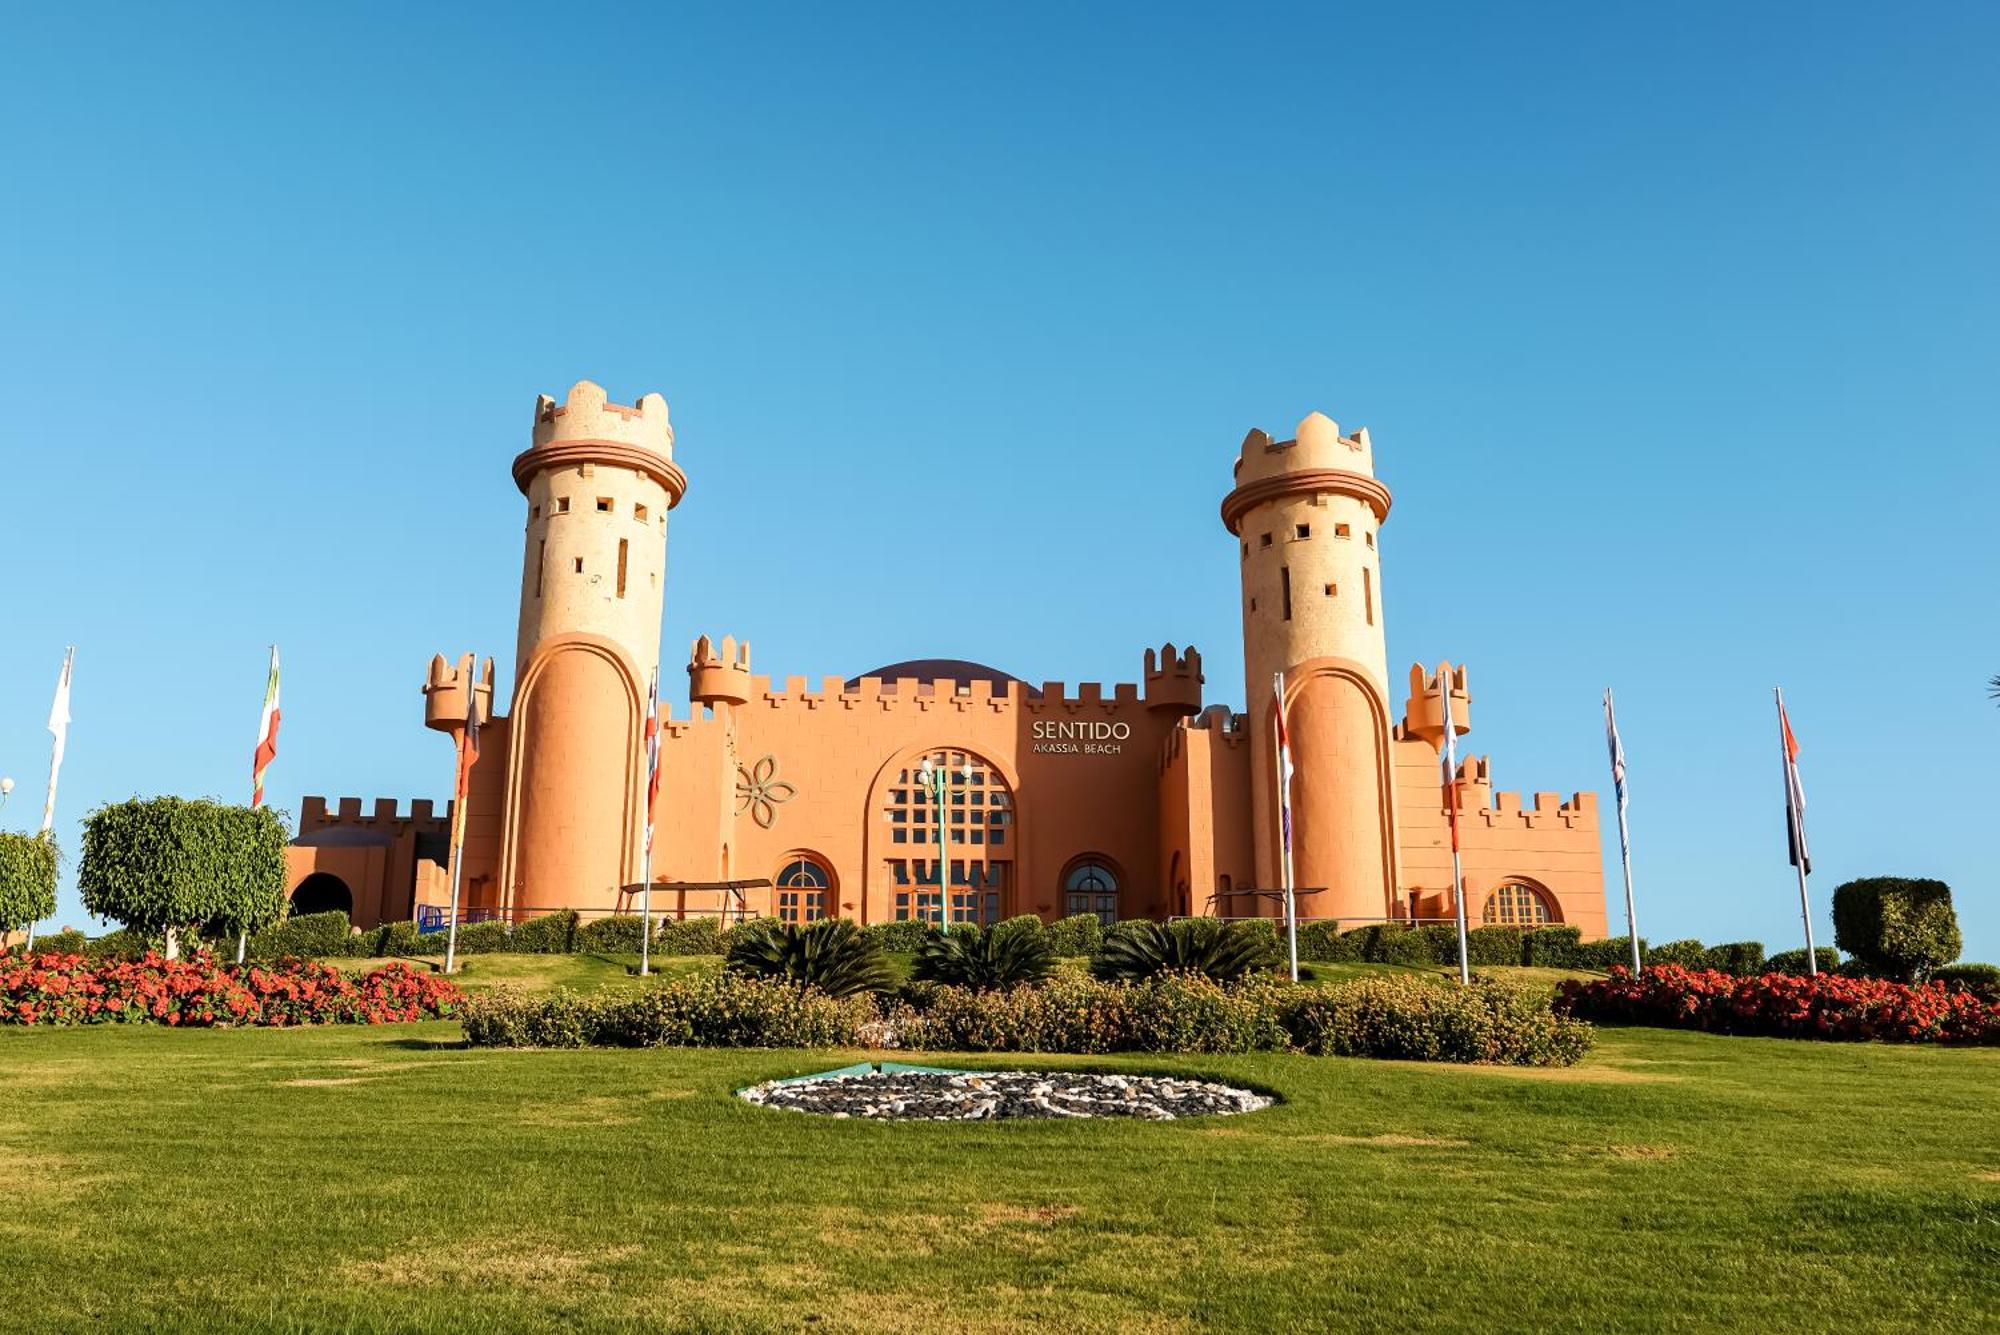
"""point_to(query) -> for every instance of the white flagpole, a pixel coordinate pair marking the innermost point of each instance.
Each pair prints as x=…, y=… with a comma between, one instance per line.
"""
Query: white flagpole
x=462, y=800
x=1624, y=837
x=1284, y=796
x=646, y=854
x=1795, y=830
x=1449, y=748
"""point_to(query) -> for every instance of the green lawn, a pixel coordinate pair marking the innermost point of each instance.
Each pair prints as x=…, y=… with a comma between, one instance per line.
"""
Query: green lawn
x=388, y=1179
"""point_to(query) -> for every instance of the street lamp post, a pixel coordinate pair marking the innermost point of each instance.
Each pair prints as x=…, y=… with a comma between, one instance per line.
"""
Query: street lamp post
x=936, y=780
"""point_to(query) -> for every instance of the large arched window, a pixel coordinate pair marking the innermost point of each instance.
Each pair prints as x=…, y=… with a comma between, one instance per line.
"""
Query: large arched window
x=1091, y=886
x=802, y=890
x=978, y=819
x=1515, y=905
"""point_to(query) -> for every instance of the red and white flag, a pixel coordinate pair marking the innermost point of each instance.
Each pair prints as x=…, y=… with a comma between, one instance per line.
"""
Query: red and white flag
x=468, y=751
x=59, y=729
x=652, y=754
x=1795, y=793
x=267, y=735
x=1284, y=769
x=1448, y=756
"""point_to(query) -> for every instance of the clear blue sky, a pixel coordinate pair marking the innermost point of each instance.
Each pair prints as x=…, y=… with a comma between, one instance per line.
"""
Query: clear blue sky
x=1674, y=326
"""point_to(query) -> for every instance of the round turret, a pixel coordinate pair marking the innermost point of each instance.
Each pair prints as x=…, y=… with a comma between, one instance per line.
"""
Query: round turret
x=1306, y=514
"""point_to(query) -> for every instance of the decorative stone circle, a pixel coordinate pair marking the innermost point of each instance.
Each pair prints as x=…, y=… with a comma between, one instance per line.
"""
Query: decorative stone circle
x=978, y=1096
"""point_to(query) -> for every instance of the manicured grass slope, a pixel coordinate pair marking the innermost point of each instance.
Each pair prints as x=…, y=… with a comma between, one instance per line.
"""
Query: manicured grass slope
x=383, y=1179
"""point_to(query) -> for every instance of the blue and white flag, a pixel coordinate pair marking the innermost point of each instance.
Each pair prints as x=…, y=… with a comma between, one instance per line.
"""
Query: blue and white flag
x=1617, y=751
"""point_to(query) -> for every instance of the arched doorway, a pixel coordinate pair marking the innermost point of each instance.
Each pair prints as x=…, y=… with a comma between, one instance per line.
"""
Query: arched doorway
x=979, y=839
x=803, y=889
x=322, y=892
x=1090, y=885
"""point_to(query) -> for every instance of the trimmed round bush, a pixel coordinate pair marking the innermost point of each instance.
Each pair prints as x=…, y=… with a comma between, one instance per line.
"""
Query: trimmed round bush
x=1080, y=934
x=168, y=865
x=1981, y=980
x=1897, y=927
x=1794, y=961
x=27, y=880
x=1416, y=1019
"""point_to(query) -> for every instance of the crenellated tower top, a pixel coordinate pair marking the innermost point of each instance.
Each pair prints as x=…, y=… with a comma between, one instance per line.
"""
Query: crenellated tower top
x=586, y=427
x=1317, y=460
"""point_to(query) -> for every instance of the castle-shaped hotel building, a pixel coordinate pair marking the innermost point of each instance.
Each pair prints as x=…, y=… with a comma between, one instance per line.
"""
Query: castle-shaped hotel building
x=799, y=800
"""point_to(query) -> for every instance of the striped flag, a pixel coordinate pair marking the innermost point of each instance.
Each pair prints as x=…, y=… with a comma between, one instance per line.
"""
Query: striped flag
x=1617, y=752
x=59, y=729
x=652, y=754
x=1795, y=793
x=468, y=751
x=1285, y=770
x=1448, y=755
x=267, y=735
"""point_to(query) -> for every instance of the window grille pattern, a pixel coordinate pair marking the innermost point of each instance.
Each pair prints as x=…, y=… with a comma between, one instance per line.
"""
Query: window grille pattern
x=1515, y=905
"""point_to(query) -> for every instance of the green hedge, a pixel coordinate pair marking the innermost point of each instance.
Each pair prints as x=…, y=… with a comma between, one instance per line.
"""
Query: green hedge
x=1897, y=927
x=1794, y=961
x=1982, y=980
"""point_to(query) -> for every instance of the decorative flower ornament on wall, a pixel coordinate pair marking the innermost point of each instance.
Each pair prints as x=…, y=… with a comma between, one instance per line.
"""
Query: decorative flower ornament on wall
x=759, y=791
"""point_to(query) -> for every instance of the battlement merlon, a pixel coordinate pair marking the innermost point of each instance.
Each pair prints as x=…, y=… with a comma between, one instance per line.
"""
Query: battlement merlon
x=1318, y=459
x=720, y=676
x=313, y=814
x=1423, y=713
x=445, y=697
x=587, y=428
x=1174, y=680
x=1579, y=812
x=915, y=693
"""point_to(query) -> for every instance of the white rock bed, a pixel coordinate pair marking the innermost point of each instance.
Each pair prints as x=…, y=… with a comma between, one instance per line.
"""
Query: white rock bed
x=977, y=1096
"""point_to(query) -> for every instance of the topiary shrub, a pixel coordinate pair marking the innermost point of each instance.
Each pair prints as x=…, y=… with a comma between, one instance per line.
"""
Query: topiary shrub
x=305, y=936
x=549, y=934
x=1794, y=961
x=169, y=864
x=27, y=880
x=1688, y=953
x=121, y=944
x=1552, y=947
x=1898, y=927
x=1744, y=959
x=615, y=935
x=689, y=936
x=1490, y=946
x=1416, y=1019
x=900, y=938
x=1222, y=951
x=1322, y=943
x=1078, y=934
x=1613, y=952
x=705, y=1010
x=1006, y=955
x=69, y=941
x=833, y=955
x=1981, y=980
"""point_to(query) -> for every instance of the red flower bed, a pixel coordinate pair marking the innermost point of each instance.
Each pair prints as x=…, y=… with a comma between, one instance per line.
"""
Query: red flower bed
x=1784, y=1006
x=70, y=989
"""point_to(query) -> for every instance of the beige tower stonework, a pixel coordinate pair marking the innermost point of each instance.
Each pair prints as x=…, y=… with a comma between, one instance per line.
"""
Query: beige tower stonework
x=1306, y=513
x=599, y=479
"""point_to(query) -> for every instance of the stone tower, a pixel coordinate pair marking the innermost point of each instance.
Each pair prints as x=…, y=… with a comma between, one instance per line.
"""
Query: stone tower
x=1306, y=514
x=599, y=479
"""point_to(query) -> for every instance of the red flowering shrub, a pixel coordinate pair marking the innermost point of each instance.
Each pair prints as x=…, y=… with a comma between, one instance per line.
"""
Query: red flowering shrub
x=1786, y=1006
x=70, y=989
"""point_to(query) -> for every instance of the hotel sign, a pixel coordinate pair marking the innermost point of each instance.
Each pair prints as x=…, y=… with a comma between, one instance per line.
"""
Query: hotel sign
x=1067, y=738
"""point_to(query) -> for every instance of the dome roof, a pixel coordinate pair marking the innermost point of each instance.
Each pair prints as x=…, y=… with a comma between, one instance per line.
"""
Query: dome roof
x=930, y=670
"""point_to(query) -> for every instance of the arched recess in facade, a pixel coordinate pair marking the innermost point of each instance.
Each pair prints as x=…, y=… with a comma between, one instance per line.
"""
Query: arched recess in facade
x=1342, y=674
x=551, y=712
x=879, y=849
x=1480, y=902
x=805, y=887
x=322, y=892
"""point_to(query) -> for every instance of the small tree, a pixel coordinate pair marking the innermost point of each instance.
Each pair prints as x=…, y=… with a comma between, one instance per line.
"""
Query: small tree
x=167, y=865
x=1897, y=927
x=27, y=880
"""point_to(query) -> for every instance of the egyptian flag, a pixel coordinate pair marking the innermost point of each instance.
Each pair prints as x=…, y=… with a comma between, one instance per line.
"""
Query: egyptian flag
x=1448, y=755
x=652, y=754
x=267, y=735
x=1284, y=768
x=1795, y=793
x=468, y=740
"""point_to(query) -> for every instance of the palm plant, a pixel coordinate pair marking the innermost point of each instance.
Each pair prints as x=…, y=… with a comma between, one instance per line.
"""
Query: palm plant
x=832, y=955
x=1993, y=687
x=1225, y=951
x=996, y=957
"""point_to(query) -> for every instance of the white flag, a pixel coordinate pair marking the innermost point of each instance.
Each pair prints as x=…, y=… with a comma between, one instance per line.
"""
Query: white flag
x=59, y=728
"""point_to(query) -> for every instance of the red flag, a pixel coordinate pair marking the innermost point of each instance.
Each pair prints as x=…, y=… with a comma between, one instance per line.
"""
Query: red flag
x=1795, y=794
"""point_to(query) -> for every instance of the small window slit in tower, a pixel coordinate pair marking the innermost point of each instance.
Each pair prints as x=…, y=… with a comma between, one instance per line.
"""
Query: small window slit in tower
x=541, y=563
x=1285, y=589
x=579, y=565
x=623, y=546
x=1368, y=593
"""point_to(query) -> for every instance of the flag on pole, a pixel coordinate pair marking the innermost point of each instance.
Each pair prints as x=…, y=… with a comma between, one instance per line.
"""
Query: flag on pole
x=468, y=752
x=1617, y=755
x=652, y=754
x=1795, y=794
x=1448, y=759
x=1285, y=770
x=267, y=735
x=59, y=729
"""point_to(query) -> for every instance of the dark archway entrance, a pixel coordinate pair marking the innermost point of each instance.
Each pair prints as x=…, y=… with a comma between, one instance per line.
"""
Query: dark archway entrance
x=322, y=892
